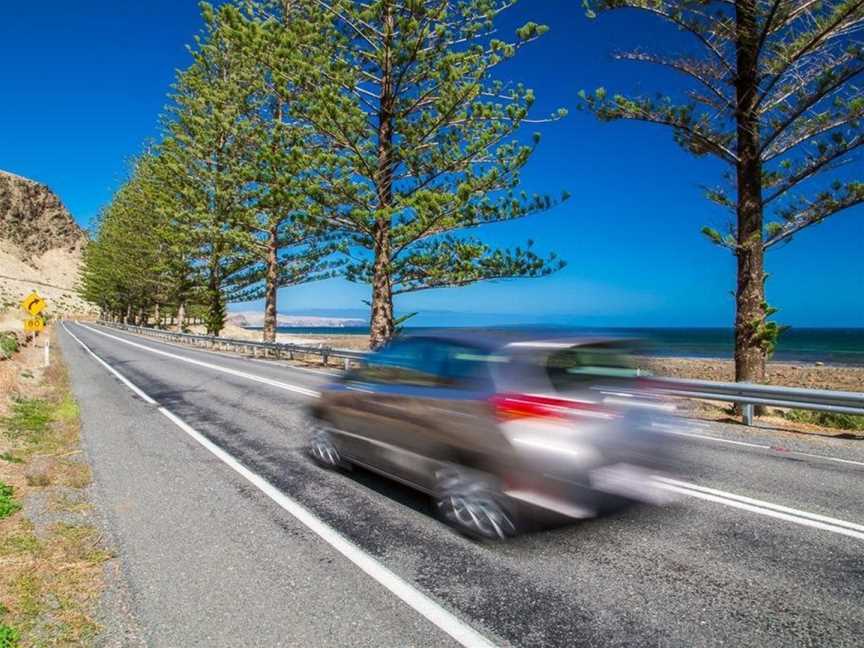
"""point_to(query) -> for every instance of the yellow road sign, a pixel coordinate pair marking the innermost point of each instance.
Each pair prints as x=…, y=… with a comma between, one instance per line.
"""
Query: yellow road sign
x=34, y=325
x=33, y=304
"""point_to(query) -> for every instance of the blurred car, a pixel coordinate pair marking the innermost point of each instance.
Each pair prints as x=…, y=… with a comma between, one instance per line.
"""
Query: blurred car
x=498, y=429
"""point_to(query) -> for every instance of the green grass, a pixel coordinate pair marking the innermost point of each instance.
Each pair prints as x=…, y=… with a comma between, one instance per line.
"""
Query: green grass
x=8, y=345
x=67, y=410
x=29, y=419
x=8, y=457
x=8, y=505
x=9, y=637
x=827, y=419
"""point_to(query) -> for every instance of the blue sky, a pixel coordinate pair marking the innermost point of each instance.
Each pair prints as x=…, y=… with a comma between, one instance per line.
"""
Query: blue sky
x=83, y=85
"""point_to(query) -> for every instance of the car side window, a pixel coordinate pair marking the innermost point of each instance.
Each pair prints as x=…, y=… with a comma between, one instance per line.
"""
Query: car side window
x=404, y=362
x=465, y=366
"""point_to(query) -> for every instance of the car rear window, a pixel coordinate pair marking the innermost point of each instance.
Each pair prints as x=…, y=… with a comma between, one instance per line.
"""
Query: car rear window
x=410, y=362
x=426, y=362
x=577, y=367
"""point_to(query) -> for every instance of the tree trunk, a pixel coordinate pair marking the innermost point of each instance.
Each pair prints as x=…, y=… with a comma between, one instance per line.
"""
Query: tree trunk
x=181, y=316
x=157, y=315
x=215, y=307
x=381, y=322
x=128, y=315
x=750, y=290
x=272, y=283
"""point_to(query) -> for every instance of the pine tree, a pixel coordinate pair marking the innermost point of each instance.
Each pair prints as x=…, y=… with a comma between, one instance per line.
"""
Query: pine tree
x=773, y=95
x=208, y=147
x=420, y=141
x=288, y=245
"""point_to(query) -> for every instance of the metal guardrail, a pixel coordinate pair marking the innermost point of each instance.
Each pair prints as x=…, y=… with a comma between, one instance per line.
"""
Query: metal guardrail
x=747, y=395
x=266, y=349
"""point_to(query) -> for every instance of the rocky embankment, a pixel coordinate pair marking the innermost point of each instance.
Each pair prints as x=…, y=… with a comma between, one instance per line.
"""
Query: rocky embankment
x=40, y=249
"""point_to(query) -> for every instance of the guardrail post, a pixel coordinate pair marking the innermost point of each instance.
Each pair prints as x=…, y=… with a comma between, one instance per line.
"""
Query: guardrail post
x=747, y=413
x=326, y=354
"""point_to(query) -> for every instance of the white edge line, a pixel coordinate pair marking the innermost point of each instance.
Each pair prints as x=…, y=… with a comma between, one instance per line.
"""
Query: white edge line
x=767, y=512
x=708, y=437
x=116, y=373
x=818, y=456
x=765, y=508
x=777, y=451
x=420, y=602
x=234, y=372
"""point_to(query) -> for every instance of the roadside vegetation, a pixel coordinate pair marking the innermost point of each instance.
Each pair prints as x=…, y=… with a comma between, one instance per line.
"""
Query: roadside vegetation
x=51, y=554
x=827, y=419
x=373, y=141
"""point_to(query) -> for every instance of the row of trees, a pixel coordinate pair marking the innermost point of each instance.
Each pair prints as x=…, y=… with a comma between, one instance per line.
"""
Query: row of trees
x=372, y=139
x=312, y=138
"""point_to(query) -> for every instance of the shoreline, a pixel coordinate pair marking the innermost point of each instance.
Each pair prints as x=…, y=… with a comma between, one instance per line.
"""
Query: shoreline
x=786, y=373
x=840, y=353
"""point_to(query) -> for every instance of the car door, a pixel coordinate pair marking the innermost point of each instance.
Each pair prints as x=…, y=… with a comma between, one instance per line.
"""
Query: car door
x=431, y=412
x=375, y=414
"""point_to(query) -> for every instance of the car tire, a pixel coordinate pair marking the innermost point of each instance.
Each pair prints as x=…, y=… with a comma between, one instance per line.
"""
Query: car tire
x=324, y=451
x=472, y=503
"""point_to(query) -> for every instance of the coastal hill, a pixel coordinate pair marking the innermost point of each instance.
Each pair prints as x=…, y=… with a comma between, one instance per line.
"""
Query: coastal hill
x=256, y=319
x=40, y=249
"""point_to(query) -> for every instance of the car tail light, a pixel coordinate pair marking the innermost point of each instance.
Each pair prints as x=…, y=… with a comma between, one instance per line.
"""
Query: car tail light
x=509, y=407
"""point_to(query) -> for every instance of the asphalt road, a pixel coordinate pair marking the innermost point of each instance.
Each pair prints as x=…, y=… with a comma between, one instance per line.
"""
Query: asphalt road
x=764, y=548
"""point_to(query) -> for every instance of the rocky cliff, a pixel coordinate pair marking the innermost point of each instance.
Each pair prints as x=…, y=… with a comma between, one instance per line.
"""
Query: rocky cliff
x=33, y=219
x=40, y=247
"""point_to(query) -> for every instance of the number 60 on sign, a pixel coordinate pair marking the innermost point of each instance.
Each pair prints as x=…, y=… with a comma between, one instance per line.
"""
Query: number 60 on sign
x=34, y=325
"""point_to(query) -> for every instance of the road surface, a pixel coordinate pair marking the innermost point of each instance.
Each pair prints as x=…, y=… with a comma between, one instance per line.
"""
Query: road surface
x=228, y=535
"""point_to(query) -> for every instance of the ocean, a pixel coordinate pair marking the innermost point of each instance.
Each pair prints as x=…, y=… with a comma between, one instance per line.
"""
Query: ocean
x=842, y=346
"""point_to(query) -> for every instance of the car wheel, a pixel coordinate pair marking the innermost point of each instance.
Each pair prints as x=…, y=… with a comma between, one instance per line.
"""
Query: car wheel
x=324, y=451
x=473, y=505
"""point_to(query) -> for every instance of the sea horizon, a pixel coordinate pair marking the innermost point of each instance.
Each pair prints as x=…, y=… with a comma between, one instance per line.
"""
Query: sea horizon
x=829, y=345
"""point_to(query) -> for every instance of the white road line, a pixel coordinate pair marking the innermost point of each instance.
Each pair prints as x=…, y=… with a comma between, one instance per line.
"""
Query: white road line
x=685, y=488
x=121, y=378
x=803, y=518
x=276, y=363
x=225, y=354
x=665, y=429
x=234, y=372
x=818, y=456
x=460, y=631
x=783, y=451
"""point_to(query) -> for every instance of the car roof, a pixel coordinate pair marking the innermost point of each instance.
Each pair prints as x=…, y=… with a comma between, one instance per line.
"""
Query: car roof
x=520, y=338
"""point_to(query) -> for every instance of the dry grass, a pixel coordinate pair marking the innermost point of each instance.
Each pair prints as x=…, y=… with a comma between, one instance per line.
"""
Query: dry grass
x=63, y=502
x=50, y=573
